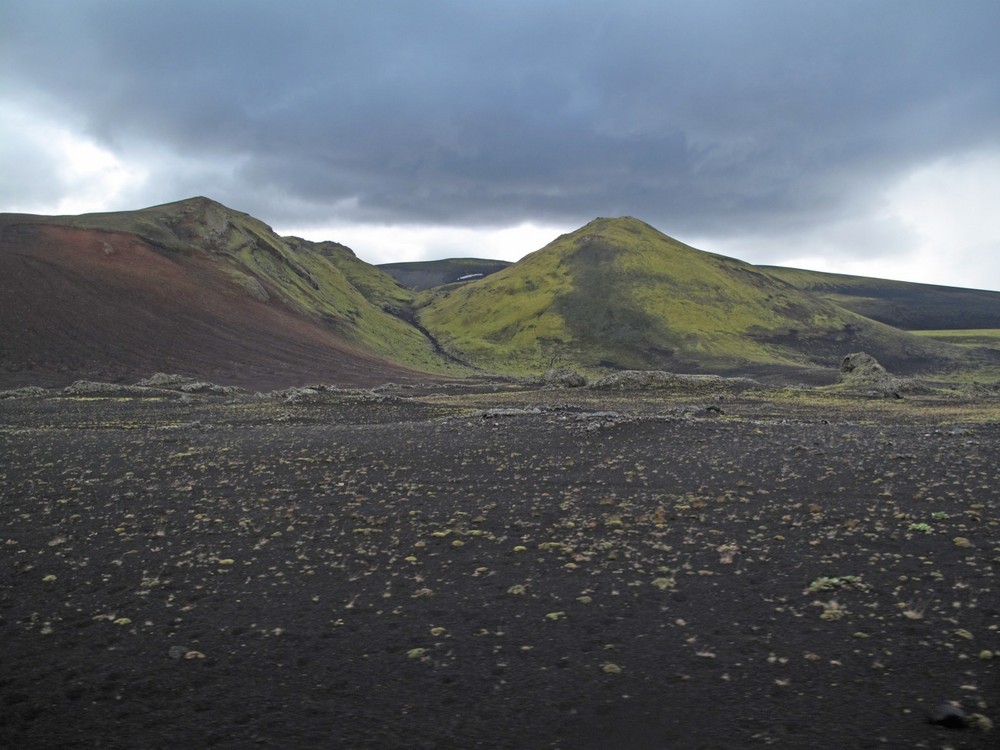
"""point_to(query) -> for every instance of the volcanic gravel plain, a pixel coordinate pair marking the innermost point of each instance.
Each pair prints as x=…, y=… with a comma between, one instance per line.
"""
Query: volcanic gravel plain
x=499, y=566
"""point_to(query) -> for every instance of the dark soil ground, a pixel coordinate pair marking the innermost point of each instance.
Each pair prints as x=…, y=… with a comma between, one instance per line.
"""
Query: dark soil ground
x=498, y=569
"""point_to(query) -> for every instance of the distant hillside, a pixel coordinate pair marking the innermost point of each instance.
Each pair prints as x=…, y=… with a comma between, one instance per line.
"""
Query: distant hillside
x=901, y=304
x=422, y=275
x=196, y=288
x=617, y=293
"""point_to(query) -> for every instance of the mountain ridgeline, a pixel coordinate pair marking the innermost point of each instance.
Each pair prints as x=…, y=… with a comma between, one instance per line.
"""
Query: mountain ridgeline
x=199, y=289
x=903, y=304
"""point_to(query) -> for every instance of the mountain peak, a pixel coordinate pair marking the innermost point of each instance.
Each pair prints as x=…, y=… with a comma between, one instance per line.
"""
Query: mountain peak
x=615, y=222
x=198, y=208
x=620, y=231
x=195, y=203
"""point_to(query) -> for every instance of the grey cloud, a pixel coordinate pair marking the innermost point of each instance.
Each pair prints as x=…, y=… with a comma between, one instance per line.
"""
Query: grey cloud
x=36, y=171
x=725, y=115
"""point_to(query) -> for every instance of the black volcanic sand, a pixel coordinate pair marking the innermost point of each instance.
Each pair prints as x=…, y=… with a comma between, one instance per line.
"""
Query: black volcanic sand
x=571, y=570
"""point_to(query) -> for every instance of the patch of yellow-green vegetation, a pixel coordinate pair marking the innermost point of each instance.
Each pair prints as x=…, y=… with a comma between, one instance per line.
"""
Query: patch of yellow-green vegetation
x=377, y=286
x=944, y=407
x=977, y=338
x=984, y=374
x=352, y=297
x=305, y=278
x=506, y=321
x=715, y=303
x=981, y=367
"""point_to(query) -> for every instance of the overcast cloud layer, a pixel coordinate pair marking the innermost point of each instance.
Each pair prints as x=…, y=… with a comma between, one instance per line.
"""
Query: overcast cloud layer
x=856, y=136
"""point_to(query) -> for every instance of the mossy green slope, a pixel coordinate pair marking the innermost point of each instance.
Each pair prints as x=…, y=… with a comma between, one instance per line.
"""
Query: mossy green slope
x=901, y=304
x=619, y=294
x=325, y=281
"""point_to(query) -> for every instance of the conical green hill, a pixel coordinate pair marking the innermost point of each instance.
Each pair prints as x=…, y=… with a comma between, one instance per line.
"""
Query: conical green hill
x=617, y=293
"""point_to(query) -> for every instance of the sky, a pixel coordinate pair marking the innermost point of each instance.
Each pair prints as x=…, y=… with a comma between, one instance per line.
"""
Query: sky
x=854, y=136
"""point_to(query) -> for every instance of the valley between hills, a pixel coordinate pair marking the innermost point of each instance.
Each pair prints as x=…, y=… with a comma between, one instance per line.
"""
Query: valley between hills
x=620, y=494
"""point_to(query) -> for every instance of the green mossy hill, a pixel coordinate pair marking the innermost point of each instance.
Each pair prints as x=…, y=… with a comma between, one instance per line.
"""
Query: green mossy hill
x=376, y=287
x=323, y=281
x=619, y=294
x=352, y=296
x=901, y=304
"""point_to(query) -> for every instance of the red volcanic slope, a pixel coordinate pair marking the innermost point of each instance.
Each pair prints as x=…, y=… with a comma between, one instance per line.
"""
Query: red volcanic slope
x=83, y=303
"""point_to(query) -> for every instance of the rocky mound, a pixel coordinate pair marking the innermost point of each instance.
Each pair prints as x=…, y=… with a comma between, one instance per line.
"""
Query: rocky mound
x=30, y=391
x=861, y=371
x=186, y=384
x=649, y=379
x=861, y=368
x=563, y=377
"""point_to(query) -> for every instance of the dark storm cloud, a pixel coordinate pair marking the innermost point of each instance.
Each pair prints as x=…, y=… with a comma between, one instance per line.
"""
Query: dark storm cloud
x=722, y=116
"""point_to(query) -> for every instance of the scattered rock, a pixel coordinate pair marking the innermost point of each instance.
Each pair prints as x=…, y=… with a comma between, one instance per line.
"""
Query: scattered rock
x=508, y=412
x=948, y=715
x=93, y=389
x=980, y=722
x=562, y=377
x=31, y=391
x=301, y=395
x=186, y=384
x=649, y=379
x=317, y=393
x=592, y=421
x=165, y=380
